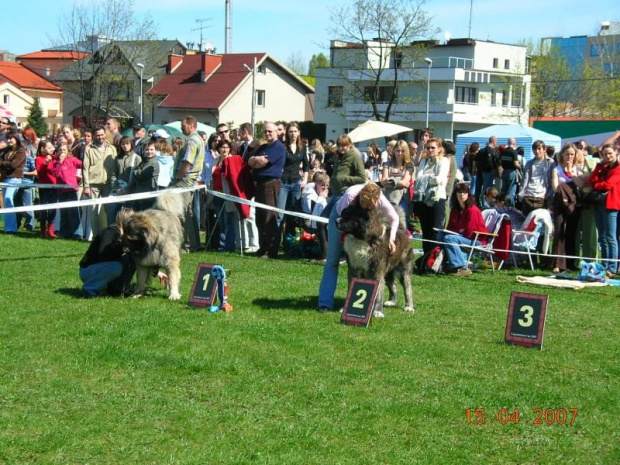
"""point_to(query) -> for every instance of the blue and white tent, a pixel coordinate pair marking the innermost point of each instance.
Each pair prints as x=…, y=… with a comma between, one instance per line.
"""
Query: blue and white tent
x=525, y=136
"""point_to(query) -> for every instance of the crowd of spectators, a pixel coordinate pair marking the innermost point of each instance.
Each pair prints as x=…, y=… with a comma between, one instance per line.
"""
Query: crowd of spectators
x=287, y=171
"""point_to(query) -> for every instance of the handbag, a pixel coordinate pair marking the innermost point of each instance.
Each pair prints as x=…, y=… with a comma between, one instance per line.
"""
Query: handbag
x=595, y=198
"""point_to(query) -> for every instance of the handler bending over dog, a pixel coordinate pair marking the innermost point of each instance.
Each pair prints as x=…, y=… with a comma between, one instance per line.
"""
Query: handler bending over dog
x=370, y=196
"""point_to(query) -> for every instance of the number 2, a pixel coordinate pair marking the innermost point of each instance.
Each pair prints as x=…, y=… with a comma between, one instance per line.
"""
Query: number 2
x=528, y=320
x=359, y=303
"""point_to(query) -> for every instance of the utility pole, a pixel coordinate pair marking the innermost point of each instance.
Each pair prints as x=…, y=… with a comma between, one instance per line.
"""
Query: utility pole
x=201, y=21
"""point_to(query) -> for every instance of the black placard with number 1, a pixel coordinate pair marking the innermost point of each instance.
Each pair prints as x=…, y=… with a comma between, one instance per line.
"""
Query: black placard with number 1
x=204, y=287
x=360, y=302
x=527, y=313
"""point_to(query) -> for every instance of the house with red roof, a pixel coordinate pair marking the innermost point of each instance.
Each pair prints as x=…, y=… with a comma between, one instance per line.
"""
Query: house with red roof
x=218, y=89
x=18, y=88
x=49, y=63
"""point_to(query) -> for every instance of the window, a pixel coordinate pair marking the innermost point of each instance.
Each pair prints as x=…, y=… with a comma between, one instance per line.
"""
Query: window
x=466, y=94
x=5, y=99
x=48, y=71
x=398, y=60
x=334, y=96
x=517, y=96
x=120, y=91
x=383, y=93
x=600, y=49
x=495, y=62
x=493, y=97
x=262, y=69
x=506, y=64
x=505, y=95
x=260, y=98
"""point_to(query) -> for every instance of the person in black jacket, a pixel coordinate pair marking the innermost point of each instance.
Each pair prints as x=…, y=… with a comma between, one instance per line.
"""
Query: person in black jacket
x=105, y=268
x=486, y=165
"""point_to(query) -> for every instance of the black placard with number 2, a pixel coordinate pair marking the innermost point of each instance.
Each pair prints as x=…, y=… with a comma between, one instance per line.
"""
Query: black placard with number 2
x=360, y=302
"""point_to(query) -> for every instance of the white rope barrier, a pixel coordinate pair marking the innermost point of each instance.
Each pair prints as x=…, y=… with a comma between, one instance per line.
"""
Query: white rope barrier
x=232, y=198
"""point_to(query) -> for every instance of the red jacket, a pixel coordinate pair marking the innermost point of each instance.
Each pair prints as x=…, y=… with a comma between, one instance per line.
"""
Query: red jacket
x=607, y=178
x=45, y=171
x=467, y=222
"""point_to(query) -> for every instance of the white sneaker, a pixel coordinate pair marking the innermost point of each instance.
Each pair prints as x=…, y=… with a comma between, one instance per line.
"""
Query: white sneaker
x=378, y=314
x=251, y=250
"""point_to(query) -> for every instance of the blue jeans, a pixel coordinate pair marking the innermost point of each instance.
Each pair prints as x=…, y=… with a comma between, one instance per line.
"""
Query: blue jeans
x=509, y=183
x=455, y=256
x=289, y=192
x=329, y=281
x=97, y=277
x=607, y=226
x=10, y=219
x=26, y=195
x=487, y=181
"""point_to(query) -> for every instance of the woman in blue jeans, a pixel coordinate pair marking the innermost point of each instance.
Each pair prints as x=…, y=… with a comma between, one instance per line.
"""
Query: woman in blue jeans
x=12, y=166
x=294, y=174
x=348, y=171
x=465, y=220
x=606, y=177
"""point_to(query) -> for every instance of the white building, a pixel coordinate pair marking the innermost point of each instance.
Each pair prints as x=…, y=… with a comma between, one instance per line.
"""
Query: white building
x=473, y=84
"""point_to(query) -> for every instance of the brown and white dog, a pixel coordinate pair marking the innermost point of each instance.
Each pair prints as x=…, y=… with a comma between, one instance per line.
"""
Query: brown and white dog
x=366, y=246
x=154, y=238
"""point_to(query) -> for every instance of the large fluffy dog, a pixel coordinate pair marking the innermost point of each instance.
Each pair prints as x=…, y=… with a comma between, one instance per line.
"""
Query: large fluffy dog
x=154, y=238
x=366, y=245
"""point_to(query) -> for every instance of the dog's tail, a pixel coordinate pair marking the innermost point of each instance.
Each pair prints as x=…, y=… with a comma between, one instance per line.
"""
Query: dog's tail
x=171, y=202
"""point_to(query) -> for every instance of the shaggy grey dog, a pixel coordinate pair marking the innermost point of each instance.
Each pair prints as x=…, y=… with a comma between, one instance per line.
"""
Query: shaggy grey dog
x=366, y=245
x=154, y=238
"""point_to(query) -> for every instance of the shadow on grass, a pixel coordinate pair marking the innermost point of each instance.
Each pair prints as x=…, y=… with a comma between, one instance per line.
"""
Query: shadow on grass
x=74, y=292
x=305, y=303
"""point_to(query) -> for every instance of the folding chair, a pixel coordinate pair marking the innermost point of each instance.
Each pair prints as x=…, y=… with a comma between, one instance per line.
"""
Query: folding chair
x=537, y=223
x=493, y=221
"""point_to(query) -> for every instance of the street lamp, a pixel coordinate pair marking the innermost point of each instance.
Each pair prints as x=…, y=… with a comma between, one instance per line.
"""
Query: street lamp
x=141, y=66
x=428, y=87
x=253, y=91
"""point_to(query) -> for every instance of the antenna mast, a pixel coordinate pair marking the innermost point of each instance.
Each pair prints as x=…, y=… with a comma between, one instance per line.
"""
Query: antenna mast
x=228, y=32
x=201, y=21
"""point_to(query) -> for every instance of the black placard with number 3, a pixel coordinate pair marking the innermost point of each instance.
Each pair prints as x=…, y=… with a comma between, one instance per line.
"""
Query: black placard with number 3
x=360, y=302
x=525, y=325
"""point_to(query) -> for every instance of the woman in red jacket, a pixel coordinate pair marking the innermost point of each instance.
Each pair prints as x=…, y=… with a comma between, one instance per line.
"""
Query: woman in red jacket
x=465, y=220
x=45, y=162
x=606, y=177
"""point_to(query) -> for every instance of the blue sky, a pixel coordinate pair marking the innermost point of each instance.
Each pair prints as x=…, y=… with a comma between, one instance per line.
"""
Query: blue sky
x=300, y=27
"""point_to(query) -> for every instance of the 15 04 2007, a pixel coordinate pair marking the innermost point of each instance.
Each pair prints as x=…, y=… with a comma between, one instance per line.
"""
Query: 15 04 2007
x=504, y=416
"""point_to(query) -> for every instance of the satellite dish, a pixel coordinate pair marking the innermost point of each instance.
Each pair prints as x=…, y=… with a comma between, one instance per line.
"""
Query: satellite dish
x=447, y=35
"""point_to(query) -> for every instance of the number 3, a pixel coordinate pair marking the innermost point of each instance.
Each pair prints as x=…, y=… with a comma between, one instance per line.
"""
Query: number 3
x=359, y=303
x=527, y=321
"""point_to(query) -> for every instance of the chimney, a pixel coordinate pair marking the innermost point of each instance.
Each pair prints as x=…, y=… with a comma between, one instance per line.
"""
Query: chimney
x=208, y=64
x=174, y=61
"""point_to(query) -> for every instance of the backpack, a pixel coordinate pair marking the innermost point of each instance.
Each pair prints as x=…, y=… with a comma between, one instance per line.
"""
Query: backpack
x=431, y=262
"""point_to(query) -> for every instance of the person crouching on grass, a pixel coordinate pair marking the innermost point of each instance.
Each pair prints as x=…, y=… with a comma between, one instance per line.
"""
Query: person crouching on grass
x=105, y=268
x=465, y=220
x=369, y=197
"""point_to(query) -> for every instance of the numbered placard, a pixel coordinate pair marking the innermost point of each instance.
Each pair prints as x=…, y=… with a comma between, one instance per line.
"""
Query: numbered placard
x=526, y=319
x=204, y=287
x=360, y=302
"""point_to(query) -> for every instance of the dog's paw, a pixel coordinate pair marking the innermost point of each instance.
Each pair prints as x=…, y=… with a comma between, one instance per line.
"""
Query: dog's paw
x=409, y=309
x=174, y=296
x=389, y=303
x=137, y=295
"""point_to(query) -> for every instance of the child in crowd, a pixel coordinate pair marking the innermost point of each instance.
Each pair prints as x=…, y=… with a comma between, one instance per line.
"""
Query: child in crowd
x=68, y=171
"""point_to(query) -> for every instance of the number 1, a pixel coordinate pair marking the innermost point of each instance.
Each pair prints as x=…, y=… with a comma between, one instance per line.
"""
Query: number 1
x=206, y=279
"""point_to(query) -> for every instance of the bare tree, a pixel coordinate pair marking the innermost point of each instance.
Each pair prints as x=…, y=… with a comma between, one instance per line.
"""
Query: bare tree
x=385, y=31
x=107, y=76
x=297, y=63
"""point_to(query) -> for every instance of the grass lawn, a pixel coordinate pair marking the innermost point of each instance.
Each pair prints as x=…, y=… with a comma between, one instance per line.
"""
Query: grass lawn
x=105, y=381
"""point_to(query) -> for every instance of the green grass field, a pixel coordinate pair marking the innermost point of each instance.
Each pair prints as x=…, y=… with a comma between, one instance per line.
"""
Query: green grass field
x=106, y=381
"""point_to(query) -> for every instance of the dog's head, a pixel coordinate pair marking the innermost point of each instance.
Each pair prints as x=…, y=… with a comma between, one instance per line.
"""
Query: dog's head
x=354, y=220
x=138, y=234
